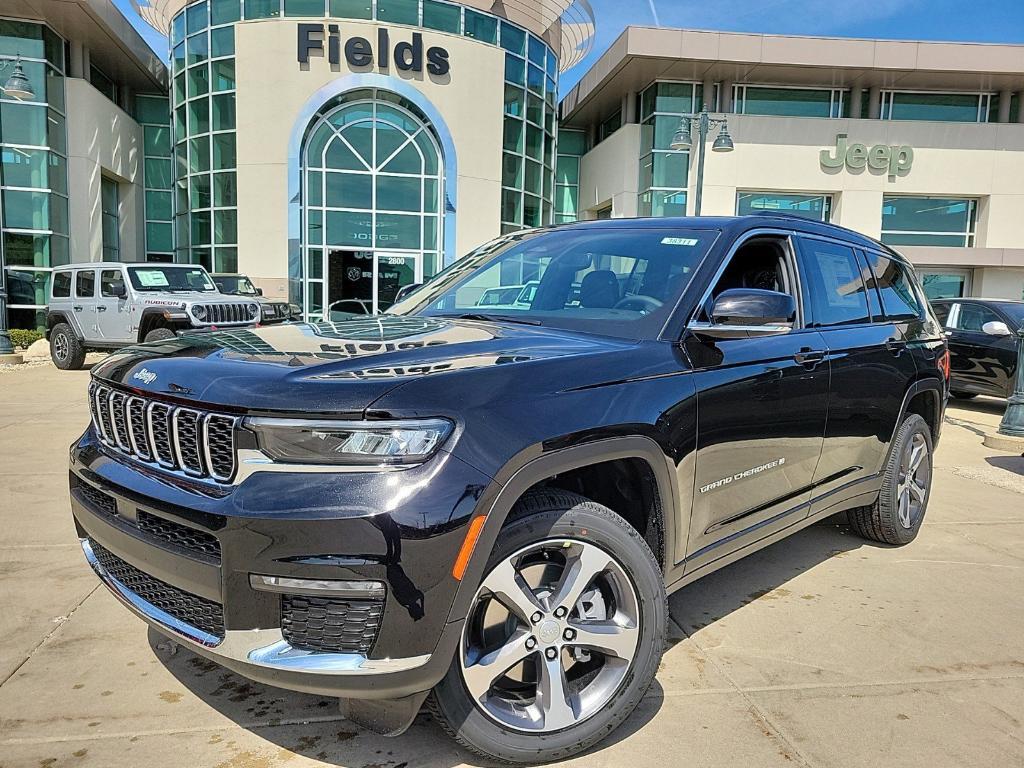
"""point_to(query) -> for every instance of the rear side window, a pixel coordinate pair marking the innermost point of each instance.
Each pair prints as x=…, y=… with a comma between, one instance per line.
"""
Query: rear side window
x=833, y=287
x=941, y=312
x=85, y=284
x=896, y=285
x=62, y=285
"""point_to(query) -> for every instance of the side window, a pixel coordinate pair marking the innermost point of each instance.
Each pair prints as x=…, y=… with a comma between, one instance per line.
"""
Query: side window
x=973, y=317
x=760, y=262
x=942, y=313
x=85, y=284
x=899, y=299
x=110, y=280
x=833, y=286
x=62, y=285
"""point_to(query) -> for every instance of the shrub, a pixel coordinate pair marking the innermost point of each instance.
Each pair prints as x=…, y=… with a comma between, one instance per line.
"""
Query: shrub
x=22, y=338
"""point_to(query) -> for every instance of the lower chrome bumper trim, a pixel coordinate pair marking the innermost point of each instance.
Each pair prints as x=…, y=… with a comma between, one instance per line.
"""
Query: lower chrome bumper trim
x=260, y=647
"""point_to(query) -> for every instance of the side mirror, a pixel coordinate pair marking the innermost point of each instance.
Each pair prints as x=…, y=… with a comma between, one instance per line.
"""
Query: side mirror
x=120, y=290
x=996, y=328
x=740, y=313
x=405, y=290
x=259, y=291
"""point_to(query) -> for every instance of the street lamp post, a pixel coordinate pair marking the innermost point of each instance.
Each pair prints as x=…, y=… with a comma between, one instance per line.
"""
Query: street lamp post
x=18, y=87
x=683, y=140
x=1012, y=424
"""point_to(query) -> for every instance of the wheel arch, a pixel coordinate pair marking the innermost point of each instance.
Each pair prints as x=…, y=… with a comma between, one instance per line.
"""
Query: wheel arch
x=153, y=318
x=55, y=317
x=925, y=398
x=522, y=474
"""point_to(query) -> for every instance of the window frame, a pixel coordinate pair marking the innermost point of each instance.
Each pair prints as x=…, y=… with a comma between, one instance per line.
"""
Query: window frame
x=53, y=283
x=839, y=98
x=827, y=201
x=969, y=234
x=886, y=99
x=79, y=275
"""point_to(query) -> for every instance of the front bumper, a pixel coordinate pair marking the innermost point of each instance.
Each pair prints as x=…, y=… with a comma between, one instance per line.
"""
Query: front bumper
x=321, y=526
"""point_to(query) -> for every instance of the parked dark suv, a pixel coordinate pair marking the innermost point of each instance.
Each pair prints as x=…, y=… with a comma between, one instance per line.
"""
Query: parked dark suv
x=489, y=505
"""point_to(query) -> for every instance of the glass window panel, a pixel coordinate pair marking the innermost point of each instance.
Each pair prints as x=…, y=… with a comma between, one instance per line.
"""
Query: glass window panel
x=431, y=198
x=202, y=256
x=224, y=189
x=515, y=70
x=24, y=250
x=349, y=190
x=223, y=74
x=85, y=283
x=59, y=214
x=429, y=152
x=200, y=191
x=814, y=207
x=223, y=112
x=225, y=226
x=407, y=160
x=262, y=9
x=158, y=205
x=395, y=230
x=314, y=298
x=22, y=37
x=441, y=16
x=513, y=39
x=26, y=210
x=655, y=203
x=398, y=11
x=792, y=102
x=566, y=200
x=159, y=236
x=899, y=300
x=348, y=228
x=670, y=169
x=533, y=175
x=360, y=137
x=199, y=116
x=314, y=188
x=224, y=11
x=429, y=234
x=24, y=167
x=389, y=139
x=534, y=109
x=157, y=173
x=673, y=97
x=481, y=27
x=941, y=285
x=834, y=288
x=921, y=238
x=200, y=227
x=954, y=107
x=571, y=142
x=511, y=206
x=57, y=175
x=180, y=160
x=531, y=211
x=535, y=51
x=199, y=80
x=222, y=42
x=156, y=140
x=199, y=154
x=339, y=156
x=513, y=141
x=515, y=101
x=535, y=79
x=225, y=260
x=927, y=214
x=55, y=89
x=399, y=193
x=352, y=9
x=55, y=135
x=223, y=151
x=196, y=48
x=511, y=171
x=315, y=226
x=665, y=127
x=178, y=88
x=178, y=57
x=178, y=28
x=22, y=123
x=567, y=170
x=304, y=7
x=315, y=261
x=534, y=142
x=196, y=17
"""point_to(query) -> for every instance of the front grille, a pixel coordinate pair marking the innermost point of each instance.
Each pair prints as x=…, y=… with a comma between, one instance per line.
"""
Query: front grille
x=97, y=499
x=199, y=443
x=178, y=535
x=330, y=625
x=191, y=609
x=228, y=314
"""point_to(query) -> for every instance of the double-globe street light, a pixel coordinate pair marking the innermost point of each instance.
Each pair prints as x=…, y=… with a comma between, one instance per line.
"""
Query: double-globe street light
x=683, y=140
x=18, y=87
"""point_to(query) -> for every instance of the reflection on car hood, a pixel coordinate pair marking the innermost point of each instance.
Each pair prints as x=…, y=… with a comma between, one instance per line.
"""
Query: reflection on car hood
x=169, y=299
x=332, y=367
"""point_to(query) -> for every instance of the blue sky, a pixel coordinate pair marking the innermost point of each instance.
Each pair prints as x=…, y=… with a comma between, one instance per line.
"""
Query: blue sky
x=997, y=21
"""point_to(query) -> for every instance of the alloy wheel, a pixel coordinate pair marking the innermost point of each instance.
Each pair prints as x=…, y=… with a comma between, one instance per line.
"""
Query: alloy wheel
x=915, y=474
x=61, y=347
x=551, y=636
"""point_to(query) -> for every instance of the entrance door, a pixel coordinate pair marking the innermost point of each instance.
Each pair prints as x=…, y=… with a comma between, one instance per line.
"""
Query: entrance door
x=367, y=282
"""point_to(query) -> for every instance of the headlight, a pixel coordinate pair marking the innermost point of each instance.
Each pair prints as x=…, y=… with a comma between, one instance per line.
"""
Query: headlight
x=199, y=311
x=302, y=441
x=254, y=311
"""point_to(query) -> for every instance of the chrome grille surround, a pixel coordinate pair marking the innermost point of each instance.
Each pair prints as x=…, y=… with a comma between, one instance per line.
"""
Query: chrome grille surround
x=198, y=443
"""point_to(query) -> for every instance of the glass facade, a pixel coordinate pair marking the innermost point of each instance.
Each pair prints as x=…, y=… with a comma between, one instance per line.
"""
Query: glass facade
x=928, y=221
x=946, y=107
x=110, y=217
x=572, y=145
x=817, y=207
x=945, y=284
x=33, y=171
x=664, y=172
x=154, y=115
x=791, y=102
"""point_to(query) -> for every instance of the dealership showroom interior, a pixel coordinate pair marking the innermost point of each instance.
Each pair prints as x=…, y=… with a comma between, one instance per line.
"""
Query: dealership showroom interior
x=546, y=381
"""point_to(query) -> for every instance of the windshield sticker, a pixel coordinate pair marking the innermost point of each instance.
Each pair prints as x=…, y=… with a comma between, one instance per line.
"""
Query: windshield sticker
x=152, y=278
x=679, y=241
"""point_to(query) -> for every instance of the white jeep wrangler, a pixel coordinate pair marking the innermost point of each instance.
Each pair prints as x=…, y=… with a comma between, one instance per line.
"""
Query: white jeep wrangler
x=111, y=305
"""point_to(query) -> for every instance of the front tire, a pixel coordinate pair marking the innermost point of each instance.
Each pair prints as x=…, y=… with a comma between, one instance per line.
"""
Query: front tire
x=66, y=350
x=896, y=517
x=563, y=638
x=159, y=334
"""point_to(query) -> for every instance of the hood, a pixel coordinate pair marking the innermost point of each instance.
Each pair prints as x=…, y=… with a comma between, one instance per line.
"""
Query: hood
x=338, y=368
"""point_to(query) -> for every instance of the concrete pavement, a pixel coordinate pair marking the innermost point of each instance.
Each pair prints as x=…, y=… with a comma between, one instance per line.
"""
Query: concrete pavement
x=822, y=650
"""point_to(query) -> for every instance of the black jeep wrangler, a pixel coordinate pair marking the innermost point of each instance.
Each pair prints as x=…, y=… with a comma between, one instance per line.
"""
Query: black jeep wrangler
x=484, y=507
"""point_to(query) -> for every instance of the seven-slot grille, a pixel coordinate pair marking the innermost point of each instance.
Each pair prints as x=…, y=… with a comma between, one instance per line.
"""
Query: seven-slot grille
x=199, y=443
x=218, y=314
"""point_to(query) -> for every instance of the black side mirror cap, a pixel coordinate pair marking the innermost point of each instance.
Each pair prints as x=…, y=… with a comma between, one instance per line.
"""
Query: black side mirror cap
x=748, y=312
x=259, y=291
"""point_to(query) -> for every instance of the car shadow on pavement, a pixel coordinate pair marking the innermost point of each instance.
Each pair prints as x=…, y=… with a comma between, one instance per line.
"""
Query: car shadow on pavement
x=1013, y=464
x=311, y=726
x=991, y=405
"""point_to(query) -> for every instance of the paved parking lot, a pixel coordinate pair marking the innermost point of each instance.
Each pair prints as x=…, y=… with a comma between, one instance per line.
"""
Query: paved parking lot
x=823, y=650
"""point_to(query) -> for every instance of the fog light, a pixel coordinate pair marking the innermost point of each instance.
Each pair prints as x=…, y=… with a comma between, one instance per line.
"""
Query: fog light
x=365, y=590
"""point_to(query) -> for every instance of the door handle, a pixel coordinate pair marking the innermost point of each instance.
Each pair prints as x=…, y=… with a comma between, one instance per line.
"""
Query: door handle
x=896, y=346
x=948, y=333
x=808, y=357
x=78, y=309
x=101, y=309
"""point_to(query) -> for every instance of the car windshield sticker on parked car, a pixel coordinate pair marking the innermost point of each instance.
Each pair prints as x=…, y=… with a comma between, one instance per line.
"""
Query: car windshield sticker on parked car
x=152, y=278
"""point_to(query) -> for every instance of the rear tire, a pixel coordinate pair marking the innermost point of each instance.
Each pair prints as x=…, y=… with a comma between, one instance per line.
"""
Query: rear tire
x=160, y=334
x=66, y=349
x=558, y=549
x=896, y=517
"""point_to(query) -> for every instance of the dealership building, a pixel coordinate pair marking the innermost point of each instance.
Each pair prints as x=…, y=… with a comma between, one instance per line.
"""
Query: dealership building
x=334, y=150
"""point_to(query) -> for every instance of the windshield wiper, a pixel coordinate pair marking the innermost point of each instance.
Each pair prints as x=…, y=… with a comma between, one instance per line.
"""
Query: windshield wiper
x=493, y=318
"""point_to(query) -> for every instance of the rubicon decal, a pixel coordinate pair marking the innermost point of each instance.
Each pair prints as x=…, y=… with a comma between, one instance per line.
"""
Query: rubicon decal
x=745, y=473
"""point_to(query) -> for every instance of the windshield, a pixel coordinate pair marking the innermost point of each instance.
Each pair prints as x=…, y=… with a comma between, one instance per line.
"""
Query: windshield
x=238, y=285
x=168, y=278
x=1015, y=313
x=617, y=282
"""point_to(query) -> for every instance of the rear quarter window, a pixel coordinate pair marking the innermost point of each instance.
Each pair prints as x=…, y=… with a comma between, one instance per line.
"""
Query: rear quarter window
x=895, y=282
x=62, y=285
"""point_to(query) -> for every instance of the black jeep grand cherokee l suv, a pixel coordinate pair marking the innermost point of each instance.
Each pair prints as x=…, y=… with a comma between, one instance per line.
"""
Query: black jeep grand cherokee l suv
x=490, y=504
